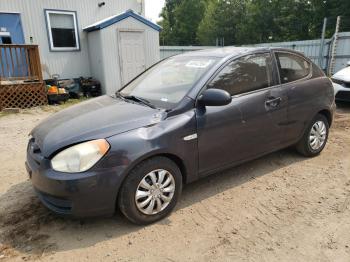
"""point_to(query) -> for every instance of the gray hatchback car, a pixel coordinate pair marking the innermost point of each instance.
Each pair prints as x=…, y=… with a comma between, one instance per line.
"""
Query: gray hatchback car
x=184, y=118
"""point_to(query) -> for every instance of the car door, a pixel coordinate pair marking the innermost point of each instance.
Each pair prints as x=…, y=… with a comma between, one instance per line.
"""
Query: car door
x=251, y=124
x=302, y=91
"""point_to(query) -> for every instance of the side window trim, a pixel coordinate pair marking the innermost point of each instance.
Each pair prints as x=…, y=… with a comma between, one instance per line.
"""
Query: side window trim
x=277, y=76
x=279, y=66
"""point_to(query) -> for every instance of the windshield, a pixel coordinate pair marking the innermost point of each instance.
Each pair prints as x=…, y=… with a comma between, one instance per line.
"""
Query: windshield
x=165, y=84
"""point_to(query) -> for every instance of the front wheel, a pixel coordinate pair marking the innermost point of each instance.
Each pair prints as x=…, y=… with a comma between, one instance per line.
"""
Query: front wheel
x=151, y=190
x=315, y=137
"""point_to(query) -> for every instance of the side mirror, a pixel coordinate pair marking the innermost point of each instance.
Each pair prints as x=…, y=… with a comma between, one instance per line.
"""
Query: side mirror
x=215, y=97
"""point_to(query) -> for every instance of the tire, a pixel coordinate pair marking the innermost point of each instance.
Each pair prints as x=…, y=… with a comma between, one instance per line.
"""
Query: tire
x=132, y=188
x=304, y=146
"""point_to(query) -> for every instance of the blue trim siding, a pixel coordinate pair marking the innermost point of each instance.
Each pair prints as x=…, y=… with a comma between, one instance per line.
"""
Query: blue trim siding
x=13, y=24
x=128, y=13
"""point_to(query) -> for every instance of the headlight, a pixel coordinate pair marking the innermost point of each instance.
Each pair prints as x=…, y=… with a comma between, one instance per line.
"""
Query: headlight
x=80, y=157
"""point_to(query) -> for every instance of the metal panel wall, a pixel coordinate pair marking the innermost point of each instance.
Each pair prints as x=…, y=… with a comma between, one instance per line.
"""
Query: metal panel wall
x=67, y=64
x=310, y=48
x=167, y=51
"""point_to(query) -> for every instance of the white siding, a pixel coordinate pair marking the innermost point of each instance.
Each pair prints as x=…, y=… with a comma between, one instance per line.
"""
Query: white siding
x=67, y=64
x=110, y=53
x=95, y=55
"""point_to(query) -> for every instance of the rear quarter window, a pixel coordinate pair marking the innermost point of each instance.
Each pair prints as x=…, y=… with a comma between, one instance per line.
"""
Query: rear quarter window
x=292, y=67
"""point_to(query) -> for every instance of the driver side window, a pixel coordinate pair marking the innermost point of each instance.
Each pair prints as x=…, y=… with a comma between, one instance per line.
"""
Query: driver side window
x=248, y=73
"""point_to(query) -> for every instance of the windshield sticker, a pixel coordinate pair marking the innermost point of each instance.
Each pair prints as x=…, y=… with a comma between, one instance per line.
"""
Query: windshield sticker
x=198, y=63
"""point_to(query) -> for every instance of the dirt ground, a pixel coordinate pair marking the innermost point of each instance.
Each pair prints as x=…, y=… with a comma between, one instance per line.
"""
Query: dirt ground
x=281, y=207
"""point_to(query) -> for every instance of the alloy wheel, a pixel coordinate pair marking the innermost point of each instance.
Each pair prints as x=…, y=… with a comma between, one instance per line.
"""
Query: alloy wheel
x=318, y=135
x=155, y=192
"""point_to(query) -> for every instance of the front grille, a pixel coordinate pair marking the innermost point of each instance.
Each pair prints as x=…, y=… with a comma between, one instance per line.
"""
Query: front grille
x=33, y=146
x=343, y=96
x=34, y=151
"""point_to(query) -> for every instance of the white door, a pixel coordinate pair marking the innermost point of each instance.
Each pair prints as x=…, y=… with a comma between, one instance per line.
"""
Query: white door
x=132, y=54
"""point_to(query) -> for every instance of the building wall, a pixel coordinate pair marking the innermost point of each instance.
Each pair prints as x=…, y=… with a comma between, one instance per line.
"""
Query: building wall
x=95, y=55
x=110, y=53
x=67, y=64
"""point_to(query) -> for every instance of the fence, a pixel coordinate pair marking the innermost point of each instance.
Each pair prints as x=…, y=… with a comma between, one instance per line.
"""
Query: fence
x=20, y=62
x=310, y=48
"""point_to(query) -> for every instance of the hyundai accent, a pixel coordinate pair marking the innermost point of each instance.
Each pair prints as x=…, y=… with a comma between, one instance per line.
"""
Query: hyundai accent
x=184, y=118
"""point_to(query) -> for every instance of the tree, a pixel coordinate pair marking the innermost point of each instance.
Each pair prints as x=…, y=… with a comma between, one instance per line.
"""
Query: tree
x=221, y=20
x=339, y=8
x=188, y=14
x=191, y=22
x=180, y=21
x=168, y=34
x=258, y=23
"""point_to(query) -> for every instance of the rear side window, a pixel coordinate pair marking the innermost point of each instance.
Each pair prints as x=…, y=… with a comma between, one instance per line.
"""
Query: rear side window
x=292, y=67
x=248, y=73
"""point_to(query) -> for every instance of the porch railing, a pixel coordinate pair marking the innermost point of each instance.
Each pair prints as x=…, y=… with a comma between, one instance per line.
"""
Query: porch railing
x=20, y=62
x=21, y=80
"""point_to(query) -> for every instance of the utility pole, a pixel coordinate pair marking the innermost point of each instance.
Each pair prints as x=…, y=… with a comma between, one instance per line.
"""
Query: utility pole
x=334, y=48
x=320, y=56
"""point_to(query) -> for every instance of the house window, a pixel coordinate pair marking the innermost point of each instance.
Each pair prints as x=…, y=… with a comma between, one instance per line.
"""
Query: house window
x=62, y=30
x=6, y=40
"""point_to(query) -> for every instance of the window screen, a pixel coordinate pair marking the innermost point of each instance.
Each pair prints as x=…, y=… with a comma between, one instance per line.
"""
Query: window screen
x=245, y=74
x=62, y=30
x=292, y=67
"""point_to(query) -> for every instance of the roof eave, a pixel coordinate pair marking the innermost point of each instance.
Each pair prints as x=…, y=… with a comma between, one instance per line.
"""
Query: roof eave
x=121, y=17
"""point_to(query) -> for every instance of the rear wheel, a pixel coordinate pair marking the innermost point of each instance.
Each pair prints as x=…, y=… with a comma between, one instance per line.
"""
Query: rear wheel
x=151, y=190
x=315, y=137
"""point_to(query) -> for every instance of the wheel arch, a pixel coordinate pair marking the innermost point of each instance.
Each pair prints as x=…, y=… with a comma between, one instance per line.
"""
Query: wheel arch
x=328, y=115
x=173, y=157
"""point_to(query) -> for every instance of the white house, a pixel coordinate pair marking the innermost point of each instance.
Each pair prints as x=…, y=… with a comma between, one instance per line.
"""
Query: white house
x=106, y=39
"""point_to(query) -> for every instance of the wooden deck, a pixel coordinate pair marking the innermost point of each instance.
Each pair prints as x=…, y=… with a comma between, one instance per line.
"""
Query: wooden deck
x=21, y=81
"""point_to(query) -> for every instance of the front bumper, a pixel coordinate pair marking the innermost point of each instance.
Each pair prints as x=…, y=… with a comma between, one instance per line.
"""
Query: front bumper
x=86, y=194
x=341, y=93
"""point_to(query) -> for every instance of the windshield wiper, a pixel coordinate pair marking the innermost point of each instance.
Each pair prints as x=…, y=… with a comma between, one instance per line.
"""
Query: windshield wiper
x=137, y=99
x=119, y=95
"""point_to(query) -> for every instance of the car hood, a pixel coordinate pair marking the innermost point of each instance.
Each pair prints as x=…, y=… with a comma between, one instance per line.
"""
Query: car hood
x=343, y=74
x=100, y=117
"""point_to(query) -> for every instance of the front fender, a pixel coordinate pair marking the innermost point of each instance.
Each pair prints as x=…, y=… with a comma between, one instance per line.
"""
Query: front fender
x=166, y=137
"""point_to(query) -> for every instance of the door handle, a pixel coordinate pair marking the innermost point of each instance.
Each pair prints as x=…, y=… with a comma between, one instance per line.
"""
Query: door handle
x=273, y=101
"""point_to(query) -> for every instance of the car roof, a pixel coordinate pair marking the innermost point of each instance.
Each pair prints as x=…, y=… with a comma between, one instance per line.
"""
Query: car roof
x=230, y=51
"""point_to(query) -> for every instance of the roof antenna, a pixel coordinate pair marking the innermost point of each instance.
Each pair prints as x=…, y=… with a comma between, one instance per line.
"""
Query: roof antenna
x=100, y=4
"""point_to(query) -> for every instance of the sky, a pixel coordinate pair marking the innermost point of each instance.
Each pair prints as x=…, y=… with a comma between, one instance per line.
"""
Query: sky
x=153, y=8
